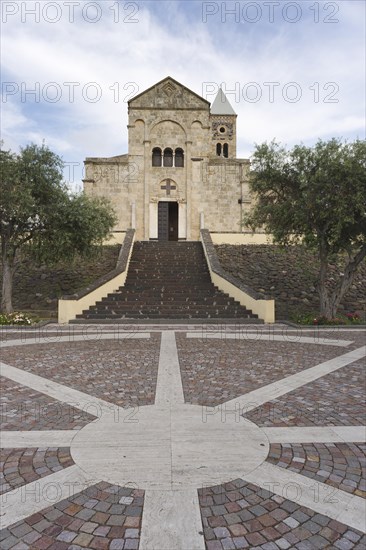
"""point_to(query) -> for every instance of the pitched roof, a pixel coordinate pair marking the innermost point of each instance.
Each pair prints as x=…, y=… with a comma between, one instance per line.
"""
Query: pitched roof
x=169, y=79
x=221, y=105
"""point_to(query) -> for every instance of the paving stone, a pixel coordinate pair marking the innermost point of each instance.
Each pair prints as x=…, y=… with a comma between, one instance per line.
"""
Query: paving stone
x=126, y=376
x=23, y=408
x=351, y=535
x=236, y=514
x=77, y=532
x=240, y=542
x=291, y=522
x=239, y=366
x=99, y=543
x=21, y=530
x=31, y=537
x=344, y=544
x=221, y=532
x=232, y=518
x=132, y=533
x=9, y=542
x=19, y=466
x=319, y=403
x=237, y=530
x=283, y=543
x=66, y=536
x=133, y=511
x=318, y=541
x=282, y=531
x=20, y=546
x=83, y=539
x=126, y=500
x=255, y=539
x=213, y=545
x=345, y=458
x=228, y=544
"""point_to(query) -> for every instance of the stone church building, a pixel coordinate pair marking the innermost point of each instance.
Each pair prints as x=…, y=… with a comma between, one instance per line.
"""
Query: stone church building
x=181, y=172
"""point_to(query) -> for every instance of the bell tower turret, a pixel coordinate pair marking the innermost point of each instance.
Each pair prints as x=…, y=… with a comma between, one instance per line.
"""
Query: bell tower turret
x=223, y=127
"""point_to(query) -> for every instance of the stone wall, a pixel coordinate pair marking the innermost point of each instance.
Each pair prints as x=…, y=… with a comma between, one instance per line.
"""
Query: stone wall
x=168, y=115
x=288, y=276
x=38, y=288
x=114, y=178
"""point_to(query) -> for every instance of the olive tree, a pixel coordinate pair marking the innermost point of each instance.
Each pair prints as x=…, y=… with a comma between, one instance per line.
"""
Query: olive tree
x=316, y=196
x=39, y=215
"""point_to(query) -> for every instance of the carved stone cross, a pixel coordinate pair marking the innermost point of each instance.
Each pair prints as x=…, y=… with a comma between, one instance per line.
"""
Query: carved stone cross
x=168, y=187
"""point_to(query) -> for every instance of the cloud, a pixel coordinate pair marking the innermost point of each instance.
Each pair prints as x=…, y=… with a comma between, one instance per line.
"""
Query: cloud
x=123, y=58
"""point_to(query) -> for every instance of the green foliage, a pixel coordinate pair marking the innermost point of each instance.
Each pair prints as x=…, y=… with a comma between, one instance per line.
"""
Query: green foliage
x=319, y=320
x=36, y=208
x=311, y=193
x=17, y=319
x=316, y=196
x=38, y=214
x=78, y=226
x=31, y=187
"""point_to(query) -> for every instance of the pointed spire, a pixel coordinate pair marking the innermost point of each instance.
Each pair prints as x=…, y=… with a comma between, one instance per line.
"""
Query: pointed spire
x=221, y=105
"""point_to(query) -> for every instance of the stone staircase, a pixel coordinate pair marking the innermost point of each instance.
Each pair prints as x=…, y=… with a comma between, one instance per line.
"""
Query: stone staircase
x=167, y=281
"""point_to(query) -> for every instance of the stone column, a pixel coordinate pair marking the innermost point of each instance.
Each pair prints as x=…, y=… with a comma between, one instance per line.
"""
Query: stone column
x=146, y=198
x=188, y=168
x=133, y=215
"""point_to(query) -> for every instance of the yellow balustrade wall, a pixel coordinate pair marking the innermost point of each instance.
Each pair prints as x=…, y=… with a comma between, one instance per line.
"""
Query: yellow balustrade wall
x=69, y=308
x=265, y=309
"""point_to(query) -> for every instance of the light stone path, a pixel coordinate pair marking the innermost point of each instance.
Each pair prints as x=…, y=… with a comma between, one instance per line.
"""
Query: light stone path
x=270, y=337
x=322, y=498
x=255, y=398
x=75, y=398
x=87, y=337
x=44, y=438
x=316, y=434
x=30, y=498
x=171, y=449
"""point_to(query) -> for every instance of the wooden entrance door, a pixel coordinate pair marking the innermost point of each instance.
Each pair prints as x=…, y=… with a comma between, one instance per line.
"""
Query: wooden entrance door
x=167, y=221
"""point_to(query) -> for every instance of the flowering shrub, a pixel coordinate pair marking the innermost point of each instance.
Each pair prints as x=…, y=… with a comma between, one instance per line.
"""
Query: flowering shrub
x=353, y=316
x=321, y=320
x=16, y=319
x=318, y=320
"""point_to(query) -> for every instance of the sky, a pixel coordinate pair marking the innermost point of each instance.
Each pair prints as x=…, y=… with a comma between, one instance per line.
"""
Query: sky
x=292, y=71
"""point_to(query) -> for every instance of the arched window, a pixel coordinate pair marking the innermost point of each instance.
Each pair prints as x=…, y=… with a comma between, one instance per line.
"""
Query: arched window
x=179, y=158
x=218, y=149
x=168, y=157
x=156, y=156
x=226, y=150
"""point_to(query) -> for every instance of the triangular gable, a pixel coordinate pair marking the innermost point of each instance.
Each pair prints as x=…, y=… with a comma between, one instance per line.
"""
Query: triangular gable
x=168, y=94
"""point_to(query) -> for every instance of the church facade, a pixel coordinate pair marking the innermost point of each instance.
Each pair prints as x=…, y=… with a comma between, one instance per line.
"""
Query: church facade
x=181, y=173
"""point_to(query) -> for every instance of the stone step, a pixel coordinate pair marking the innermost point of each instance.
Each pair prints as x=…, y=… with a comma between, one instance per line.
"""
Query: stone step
x=162, y=300
x=190, y=315
x=213, y=321
x=165, y=309
x=167, y=281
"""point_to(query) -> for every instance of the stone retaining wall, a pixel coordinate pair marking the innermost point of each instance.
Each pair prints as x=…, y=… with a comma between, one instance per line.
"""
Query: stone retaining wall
x=286, y=275
x=38, y=288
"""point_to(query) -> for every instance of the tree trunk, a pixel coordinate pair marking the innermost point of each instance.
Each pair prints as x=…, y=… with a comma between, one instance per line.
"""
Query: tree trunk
x=7, y=286
x=325, y=309
x=329, y=302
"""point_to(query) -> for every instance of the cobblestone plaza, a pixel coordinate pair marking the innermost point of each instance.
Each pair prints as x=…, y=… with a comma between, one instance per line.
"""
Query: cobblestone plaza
x=182, y=437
